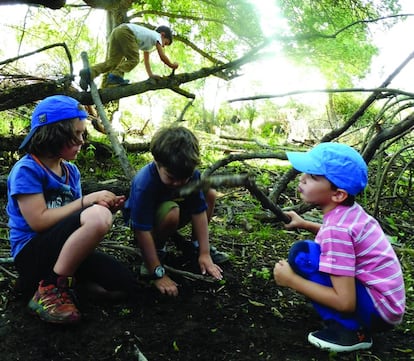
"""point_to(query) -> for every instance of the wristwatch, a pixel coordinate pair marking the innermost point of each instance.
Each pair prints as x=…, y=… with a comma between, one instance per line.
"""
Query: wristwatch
x=159, y=272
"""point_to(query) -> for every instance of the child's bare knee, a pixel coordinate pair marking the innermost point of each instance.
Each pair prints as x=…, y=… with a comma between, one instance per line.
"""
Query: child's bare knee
x=173, y=214
x=98, y=217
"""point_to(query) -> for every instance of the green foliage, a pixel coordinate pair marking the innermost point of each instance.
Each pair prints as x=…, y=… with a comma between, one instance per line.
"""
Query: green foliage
x=263, y=273
x=43, y=27
x=313, y=24
x=219, y=27
x=409, y=290
x=10, y=124
x=125, y=312
x=393, y=225
x=346, y=104
x=226, y=115
x=138, y=160
x=269, y=129
x=250, y=113
x=89, y=152
x=102, y=169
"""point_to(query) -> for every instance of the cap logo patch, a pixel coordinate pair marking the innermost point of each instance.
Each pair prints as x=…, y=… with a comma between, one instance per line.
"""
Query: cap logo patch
x=42, y=118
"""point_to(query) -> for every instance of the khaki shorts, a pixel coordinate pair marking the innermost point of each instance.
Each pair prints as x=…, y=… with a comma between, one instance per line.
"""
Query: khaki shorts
x=166, y=207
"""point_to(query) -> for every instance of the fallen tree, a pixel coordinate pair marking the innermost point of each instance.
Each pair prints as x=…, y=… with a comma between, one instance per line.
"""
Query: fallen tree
x=18, y=91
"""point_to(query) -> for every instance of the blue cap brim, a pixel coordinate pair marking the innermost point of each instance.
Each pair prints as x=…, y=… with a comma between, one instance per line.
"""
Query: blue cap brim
x=28, y=137
x=305, y=163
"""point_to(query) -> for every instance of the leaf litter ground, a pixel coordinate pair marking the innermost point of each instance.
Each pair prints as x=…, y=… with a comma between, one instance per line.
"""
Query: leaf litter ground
x=247, y=317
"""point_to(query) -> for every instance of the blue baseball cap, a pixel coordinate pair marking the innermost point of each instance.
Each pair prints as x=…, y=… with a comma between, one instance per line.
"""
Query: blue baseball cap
x=54, y=109
x=339, y=163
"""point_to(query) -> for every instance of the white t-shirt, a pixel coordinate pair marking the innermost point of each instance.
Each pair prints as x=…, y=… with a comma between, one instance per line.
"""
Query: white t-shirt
x=146, y=38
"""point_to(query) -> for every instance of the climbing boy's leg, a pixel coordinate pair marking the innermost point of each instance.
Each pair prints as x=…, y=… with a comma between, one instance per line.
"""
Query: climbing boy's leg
x=85, y=78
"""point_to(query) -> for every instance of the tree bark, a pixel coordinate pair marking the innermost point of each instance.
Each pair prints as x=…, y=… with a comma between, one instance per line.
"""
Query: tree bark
x=52, y=4
x=58, y=4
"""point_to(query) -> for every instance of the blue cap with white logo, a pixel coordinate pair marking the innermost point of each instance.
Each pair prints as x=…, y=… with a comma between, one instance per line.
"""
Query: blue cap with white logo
x=54, y=109
x=339, y=163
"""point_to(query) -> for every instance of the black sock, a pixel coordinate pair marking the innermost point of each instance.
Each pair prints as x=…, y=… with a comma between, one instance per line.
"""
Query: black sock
x=51, y=279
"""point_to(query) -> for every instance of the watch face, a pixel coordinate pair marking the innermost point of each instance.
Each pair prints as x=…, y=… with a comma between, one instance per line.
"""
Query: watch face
x=159, y=271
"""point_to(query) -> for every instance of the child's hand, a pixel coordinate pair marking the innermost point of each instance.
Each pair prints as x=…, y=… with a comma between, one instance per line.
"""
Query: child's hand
x=119, y=203
x=104, y=198
x=166, y=286
x=296, y=221
x=207, y=266
x=283, y=273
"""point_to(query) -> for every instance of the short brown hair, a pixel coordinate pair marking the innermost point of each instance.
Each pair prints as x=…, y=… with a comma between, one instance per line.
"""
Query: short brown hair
x=167, y=32
x=50, y=139
x=176, y=148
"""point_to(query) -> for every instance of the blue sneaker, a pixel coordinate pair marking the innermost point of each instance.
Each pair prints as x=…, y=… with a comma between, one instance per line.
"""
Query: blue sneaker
x=190, y=249
x=116, y=80
x=217, y=256
x=85, y=78
x=337, y=338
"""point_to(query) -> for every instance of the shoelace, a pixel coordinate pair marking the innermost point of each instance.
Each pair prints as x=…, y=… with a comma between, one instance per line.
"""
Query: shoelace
x=61, y=295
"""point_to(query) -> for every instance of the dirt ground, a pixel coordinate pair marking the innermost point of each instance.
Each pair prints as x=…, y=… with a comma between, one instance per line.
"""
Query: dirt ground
x=247, y=317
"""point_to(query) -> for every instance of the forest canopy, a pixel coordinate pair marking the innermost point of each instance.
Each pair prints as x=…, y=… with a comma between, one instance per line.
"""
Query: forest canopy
x=331, y=36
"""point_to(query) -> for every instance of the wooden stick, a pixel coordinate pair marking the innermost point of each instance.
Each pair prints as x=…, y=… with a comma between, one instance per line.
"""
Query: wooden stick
x=266, y=202
x=117, y=147
x=213, y=181
x=11, y=274
x=235, y=181
x=136, y=251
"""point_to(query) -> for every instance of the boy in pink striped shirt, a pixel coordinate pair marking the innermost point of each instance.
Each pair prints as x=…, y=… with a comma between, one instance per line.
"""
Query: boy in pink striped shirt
x=350, y=272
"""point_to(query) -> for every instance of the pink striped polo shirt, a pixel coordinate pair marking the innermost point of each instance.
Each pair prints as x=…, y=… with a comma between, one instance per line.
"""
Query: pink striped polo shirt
x=354, y=244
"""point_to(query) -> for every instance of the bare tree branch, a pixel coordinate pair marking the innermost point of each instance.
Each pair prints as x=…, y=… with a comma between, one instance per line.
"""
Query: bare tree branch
x=14, y=97
x=63, y=45
x=116, y=146
x=316, y=35
x=386, y=92
x=385, y=134
x=52, y=4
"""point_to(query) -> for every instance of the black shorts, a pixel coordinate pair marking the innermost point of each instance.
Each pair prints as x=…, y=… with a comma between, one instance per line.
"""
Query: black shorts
x=38, y=257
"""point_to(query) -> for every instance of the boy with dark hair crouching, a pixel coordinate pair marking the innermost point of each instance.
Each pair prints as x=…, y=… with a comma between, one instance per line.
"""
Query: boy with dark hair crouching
x=156, y=212
x=350, y=272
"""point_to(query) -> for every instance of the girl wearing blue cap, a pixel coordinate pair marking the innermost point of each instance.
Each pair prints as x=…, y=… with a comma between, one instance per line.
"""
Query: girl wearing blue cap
x=54, y=229
x=350, y=272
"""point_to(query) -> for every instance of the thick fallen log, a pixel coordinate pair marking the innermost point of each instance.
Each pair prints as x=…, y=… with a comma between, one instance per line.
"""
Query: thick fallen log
x=14, y=97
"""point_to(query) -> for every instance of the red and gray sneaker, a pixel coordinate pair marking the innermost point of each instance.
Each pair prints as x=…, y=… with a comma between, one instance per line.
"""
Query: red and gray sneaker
x=55, y=303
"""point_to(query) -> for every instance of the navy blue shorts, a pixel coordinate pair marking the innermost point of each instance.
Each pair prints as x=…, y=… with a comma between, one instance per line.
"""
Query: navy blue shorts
x=304, y=260
x=38, y=257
